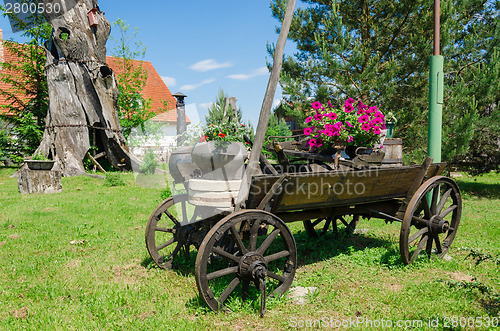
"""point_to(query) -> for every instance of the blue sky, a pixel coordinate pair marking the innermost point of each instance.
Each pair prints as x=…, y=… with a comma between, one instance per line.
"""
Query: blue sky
x=200, y=46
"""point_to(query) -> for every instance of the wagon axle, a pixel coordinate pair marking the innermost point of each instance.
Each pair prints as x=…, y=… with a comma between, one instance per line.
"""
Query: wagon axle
x=439, y=225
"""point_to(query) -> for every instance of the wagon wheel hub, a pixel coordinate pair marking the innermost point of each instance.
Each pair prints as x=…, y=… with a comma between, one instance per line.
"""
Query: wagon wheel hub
x=252, y=266
x=438, y=225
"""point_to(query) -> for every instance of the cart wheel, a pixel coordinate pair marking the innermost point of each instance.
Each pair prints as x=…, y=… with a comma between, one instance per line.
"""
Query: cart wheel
x=168, y=230
x=262, y=250
x=320, y=226
x=427, y=224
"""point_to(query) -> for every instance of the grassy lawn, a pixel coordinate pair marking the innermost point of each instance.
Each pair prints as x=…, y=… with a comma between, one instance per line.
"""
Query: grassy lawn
x=77, y=261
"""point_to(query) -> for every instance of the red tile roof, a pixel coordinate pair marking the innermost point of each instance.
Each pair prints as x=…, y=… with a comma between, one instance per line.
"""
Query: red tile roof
x=155, y=88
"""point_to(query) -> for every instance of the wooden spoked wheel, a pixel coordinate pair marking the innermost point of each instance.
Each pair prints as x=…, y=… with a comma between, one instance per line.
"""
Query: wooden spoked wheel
x=431, y=220
x=250, y=246
x=169, y=230
x=320, y=226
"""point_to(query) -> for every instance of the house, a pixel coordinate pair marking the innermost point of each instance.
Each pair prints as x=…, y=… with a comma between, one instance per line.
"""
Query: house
x=155, y=89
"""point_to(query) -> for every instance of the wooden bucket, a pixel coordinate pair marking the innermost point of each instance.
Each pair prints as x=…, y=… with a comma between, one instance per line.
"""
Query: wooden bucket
x=393, y=148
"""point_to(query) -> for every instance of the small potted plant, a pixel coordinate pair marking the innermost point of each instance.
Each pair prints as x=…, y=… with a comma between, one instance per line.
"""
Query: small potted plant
x=390, y=123
x=355, y=125
x=221, y=151
x=39, y=162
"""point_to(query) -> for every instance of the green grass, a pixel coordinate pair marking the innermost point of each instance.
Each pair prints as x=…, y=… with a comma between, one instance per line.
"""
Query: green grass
x=77, y=261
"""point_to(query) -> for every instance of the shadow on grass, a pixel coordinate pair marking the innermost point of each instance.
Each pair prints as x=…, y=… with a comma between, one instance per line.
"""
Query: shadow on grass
x=491, y=304
x=182, y=266
x=480, y=189
x=311, y=250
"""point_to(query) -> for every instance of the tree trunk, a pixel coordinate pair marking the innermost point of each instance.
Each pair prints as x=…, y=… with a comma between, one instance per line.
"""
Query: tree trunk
x=82, y=91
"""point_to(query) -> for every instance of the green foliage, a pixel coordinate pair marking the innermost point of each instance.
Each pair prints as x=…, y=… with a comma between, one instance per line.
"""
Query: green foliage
x=39, y=157
x=221, y=111
x=149, y=163
x=379, y=51
x=165, y=193
x=113, y=179
x=276, y=128
x=133, y=109
x=222, y=124
x=27, y=97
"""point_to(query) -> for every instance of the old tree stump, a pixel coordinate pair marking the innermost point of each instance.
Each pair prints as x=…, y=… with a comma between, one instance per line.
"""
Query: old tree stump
x=82, y=90
x=39, y=181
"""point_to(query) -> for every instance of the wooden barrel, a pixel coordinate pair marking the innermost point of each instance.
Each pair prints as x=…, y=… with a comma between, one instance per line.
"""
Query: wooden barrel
x=393, y=148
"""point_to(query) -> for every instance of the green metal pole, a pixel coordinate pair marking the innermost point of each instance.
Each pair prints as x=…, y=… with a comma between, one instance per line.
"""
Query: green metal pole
x=436, y=85
x=436, y=88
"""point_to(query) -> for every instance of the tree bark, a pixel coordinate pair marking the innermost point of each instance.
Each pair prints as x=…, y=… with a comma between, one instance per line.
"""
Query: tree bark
x=82, y=90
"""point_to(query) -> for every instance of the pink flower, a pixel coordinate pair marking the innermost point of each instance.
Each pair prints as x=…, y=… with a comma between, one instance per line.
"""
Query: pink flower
x=332, y=116
x=316, y=105
x=376, y=130
x=328, y=133
x=372, y=109
x=330, y=104
x=312, y=142
x=349, y=124
x=348, y=107
x=364, y=118
x=381, y=146
x=309, y=119
x=366, y=127
x=350, y=100
x=308, y=131
x=350, y=139
x=318, y=117
x=383, y=127
x=379, y=115
x=377, y=120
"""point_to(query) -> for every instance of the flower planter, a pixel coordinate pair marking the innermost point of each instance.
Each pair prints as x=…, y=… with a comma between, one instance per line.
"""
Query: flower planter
x=40, y=164
x=220, y=160
x=390, y=129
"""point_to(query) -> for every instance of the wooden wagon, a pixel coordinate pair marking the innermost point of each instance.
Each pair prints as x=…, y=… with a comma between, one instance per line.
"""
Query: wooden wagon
x=254, y=245
x=248, y=242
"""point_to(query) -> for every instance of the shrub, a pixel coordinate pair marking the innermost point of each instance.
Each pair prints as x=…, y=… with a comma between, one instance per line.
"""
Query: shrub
x=149, y=163
x=165, y=193
x=113, y=179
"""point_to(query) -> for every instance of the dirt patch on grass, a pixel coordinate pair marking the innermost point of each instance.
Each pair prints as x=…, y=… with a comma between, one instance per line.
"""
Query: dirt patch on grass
x=146, y=314
x=460, y=277
x=14, y=236
x=20, y=313
x=73, y=264
x=129, y=274
x=396, y=287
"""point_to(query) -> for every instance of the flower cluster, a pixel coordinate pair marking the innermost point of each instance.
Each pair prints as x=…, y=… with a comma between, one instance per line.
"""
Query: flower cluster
x=225, y=132
x=356, y=124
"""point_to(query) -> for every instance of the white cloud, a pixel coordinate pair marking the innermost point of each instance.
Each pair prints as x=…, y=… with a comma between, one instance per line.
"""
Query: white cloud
x=169, y=81
x=257, y=72
x=205, y=105
x=190, y=87
x=209, y=64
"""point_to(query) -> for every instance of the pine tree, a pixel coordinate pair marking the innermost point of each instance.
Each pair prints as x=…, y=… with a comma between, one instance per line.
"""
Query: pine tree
x=221, y=111
x=378, y=51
